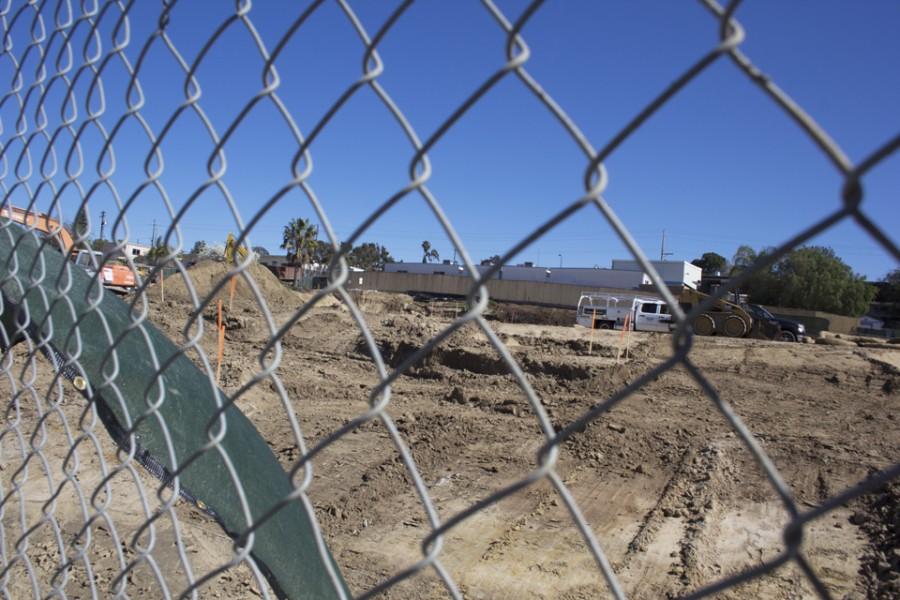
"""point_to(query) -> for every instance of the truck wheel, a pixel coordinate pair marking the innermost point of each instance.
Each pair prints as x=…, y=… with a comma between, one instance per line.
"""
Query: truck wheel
x=734, y=326
x=787, y=336
x=704, y=325
x=604, y=325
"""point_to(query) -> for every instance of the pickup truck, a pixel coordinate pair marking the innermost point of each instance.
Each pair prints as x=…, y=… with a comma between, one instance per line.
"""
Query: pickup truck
x=791, y=331
x=602, y=311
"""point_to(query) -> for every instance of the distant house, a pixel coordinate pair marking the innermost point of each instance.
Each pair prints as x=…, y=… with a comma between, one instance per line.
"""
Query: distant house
x=867, y=322
x=283, y=270
x=131, y=250
x=279, y=265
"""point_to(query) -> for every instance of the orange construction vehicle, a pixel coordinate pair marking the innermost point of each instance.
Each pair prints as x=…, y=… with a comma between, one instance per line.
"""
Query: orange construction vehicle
x=60, y=236
x=117, y=277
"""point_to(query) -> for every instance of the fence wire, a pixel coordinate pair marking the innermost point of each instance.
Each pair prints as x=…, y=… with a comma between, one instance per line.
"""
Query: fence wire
x=60, y=146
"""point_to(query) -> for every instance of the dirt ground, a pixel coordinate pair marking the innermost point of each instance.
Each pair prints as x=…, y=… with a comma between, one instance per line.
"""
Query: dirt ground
x=675, y=499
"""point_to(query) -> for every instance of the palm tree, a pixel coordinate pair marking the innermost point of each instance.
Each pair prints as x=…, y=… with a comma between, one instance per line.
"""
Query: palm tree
x=299, y=240
x=429, y=254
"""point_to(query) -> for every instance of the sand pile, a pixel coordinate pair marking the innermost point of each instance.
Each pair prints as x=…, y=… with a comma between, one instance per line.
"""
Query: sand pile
x=207, y=274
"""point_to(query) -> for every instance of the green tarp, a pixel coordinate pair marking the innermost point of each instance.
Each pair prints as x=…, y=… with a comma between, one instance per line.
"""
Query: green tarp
x=285, y=546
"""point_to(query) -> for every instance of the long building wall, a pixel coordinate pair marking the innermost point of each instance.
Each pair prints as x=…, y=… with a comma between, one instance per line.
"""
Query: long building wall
x=574, y=276
x=530, y=292
x=558, y=295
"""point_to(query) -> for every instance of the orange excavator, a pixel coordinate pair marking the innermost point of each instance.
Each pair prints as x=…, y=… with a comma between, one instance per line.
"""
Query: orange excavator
x=117, y=277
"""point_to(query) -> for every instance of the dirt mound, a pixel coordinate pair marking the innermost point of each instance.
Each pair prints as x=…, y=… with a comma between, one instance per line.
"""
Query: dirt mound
x=880, y=520
x=373, y=302
x=535, y=315
x=207, y=274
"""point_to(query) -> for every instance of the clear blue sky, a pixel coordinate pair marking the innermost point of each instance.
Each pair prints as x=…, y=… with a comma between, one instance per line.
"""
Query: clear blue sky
x=719, y=166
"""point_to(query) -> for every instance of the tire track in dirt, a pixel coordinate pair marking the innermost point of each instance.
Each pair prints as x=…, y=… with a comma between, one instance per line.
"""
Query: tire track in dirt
x=695, y=502
x=878, y=516
x=655, y=516
x=671, y=531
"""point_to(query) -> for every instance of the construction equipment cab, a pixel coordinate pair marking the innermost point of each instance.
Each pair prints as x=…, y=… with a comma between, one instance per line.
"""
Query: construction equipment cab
x=113, y=275
x=603, y=311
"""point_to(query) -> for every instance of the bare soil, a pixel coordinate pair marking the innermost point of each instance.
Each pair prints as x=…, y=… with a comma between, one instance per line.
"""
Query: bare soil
x=672, y=493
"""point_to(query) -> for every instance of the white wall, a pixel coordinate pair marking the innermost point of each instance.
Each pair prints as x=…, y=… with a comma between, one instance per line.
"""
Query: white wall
x=587, y=277
x=673, y=272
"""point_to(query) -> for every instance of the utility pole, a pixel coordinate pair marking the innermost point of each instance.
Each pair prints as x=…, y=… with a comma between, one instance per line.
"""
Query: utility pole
x=102, y=222
x=153, y=237
x=662, y=248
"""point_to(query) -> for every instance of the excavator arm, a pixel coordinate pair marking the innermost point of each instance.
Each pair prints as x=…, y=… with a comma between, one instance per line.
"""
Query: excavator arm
x=44, y=223
x=233, y=252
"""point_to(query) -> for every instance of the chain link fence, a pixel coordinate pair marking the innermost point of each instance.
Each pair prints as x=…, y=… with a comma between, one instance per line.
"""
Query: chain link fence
x=59, y=452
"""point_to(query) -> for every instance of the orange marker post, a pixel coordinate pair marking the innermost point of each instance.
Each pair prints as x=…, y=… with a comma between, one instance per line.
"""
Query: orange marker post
x=232, y=286
x=627, y=334
x=593, y=324
x=220, y=326
x=626, y=326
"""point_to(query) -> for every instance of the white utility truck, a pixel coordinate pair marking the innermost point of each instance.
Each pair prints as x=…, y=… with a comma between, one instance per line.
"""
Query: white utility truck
x=604, y=311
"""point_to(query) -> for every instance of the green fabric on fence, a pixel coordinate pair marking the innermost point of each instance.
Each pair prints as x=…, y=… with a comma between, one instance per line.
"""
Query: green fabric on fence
x=285, y=545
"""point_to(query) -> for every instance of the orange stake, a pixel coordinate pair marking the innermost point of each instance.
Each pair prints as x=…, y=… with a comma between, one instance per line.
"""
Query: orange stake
x=627, y=333
x=220, y=326
x=626, y=325
x=593, y=324
x=232, y=286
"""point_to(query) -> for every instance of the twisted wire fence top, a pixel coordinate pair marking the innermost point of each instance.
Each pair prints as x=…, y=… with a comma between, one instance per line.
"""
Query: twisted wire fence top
x=75, y=133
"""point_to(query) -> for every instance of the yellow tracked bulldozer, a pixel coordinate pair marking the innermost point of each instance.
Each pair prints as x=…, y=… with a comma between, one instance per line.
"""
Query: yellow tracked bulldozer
x=726, y=318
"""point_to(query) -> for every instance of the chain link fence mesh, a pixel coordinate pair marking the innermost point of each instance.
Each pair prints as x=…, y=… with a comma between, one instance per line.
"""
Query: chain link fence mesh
x=127, y=535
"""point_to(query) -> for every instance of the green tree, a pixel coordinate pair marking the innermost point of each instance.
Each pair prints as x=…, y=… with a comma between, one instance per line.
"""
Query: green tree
x=158, y=252
x=369, y=256
x=743, y=257
x=299, y=240
x=322, y=252
x=711, y=262
x=890, y=291
x=82, y=225
x=429, y=254
x=198, y=248
x=814, y=278
x=260, y=251
x=98, y=245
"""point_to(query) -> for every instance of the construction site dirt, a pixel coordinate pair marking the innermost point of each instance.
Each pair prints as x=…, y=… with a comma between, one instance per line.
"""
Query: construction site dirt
x=675, y=498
